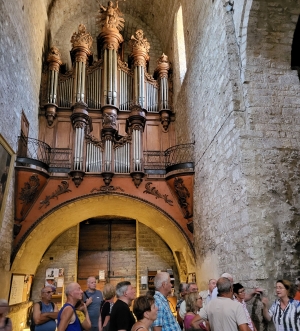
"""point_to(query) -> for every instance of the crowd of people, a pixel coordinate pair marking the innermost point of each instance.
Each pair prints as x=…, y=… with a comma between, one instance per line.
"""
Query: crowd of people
x=222, y=307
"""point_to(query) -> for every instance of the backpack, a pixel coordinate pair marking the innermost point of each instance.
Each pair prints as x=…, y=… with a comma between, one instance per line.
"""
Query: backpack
x=31, y=320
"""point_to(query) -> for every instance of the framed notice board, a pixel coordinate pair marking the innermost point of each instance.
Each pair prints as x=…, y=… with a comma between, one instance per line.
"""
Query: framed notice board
x=20, y=288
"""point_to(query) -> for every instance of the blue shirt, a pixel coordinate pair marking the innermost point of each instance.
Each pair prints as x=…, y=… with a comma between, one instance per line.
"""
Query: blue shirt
x=94, y=307
x=50, y=325
x=165, y=318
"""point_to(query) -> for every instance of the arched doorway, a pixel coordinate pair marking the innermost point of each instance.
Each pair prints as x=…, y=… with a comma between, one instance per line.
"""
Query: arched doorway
x=72, y=213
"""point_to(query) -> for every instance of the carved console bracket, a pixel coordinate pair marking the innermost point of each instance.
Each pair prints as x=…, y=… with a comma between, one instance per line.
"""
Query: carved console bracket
x=137, y=178
x=50, y=112
x=77, y=176
x=165, y=118
x=107, y=177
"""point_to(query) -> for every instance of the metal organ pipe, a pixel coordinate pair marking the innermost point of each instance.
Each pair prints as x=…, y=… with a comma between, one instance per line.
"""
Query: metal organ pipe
x=105, y=76
x=115, y=80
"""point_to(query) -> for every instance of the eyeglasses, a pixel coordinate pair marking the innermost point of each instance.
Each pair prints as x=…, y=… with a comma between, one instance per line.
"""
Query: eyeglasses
x=48, y=292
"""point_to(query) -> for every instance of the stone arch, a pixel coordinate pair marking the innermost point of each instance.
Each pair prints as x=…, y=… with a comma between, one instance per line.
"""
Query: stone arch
x=69, y=214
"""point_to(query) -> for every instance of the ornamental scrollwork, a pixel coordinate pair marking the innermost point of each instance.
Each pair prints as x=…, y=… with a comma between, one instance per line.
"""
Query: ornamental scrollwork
x=93, y=140
x=121, y=142
x=61, y=189
x=105, y=188
x=123, y=66
x=154, y=191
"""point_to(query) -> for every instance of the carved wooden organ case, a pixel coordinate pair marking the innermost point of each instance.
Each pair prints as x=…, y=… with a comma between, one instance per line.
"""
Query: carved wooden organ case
x=114, y=116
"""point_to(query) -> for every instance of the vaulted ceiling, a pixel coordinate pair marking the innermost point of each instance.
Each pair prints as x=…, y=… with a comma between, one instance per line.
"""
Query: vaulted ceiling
x=154, y=17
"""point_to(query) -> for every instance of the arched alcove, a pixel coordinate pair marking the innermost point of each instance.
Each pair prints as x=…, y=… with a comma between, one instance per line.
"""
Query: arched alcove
x=32, y=249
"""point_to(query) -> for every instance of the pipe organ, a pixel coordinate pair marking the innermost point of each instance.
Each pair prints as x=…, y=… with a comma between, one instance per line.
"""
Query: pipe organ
x=122, y=96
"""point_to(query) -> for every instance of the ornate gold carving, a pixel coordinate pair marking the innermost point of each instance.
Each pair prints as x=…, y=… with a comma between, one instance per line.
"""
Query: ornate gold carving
x=124, y=66
x=139, y=42
x=28, y=192
x=140, y=48
x=163, y=66
x=154, y=191
x=82, y=40
x=54, y=59
x=111, y=17
x=63, y=188
x=150, y=79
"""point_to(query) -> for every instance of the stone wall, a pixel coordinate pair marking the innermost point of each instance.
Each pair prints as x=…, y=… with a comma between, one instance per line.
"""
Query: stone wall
x=153, y=254
x=240, y=101
x=61, y=254
x=22, y=39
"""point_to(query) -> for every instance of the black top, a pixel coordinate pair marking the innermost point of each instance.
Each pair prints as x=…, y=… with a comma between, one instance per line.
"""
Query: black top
x=121, y=318
x=105, y=310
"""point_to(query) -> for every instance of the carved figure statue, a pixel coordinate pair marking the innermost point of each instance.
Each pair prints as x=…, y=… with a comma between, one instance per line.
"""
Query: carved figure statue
x=109, y=120
x=111, y=16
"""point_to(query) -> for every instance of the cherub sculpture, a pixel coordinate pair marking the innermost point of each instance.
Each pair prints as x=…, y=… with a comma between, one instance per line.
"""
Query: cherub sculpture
x=111, y=16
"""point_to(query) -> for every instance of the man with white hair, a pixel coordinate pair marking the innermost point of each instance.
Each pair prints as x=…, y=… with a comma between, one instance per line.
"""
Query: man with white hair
x=121, y=318
x=93, y=298
x=165, y=319
x=207, y=294
x=67, y=319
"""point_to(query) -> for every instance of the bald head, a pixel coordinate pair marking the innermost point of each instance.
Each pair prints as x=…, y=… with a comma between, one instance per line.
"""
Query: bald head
x=224, y=286
x=73, y=292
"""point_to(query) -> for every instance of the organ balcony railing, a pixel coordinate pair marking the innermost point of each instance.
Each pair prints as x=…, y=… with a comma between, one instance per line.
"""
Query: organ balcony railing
x=35, y=152
x=94, y=160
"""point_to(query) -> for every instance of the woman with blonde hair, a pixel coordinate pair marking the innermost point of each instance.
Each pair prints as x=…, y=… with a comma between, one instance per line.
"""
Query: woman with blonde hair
x=109, y=293
x=193, y=305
